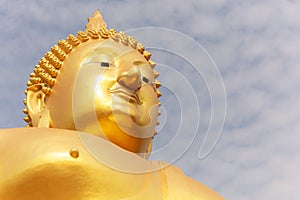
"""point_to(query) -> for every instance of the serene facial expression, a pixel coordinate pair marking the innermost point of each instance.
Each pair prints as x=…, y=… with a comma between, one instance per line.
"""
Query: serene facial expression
x=113, y=95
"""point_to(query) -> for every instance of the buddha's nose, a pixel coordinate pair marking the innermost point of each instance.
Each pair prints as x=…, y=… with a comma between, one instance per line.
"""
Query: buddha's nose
x=130, y=79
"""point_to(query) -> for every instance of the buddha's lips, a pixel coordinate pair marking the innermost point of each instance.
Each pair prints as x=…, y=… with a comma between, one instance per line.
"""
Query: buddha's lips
x=132, y=96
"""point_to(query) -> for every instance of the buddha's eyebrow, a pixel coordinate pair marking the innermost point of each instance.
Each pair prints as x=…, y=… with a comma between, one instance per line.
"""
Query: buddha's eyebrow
x=139, y=63
x=106, y=51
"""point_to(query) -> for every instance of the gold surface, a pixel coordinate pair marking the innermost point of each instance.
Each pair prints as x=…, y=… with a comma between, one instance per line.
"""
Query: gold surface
x=36, y=164
x=92, y=106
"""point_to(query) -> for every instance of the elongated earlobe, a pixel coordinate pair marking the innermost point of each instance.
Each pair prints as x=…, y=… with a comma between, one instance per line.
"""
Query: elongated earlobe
x=36, y=106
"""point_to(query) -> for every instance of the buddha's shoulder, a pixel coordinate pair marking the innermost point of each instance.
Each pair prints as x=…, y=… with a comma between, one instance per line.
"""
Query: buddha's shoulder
x=183, y=187
x=52, y=163
x=34, y=146
x=27, y=144
x=59, y=144
x=28, y=148
x=37, y=133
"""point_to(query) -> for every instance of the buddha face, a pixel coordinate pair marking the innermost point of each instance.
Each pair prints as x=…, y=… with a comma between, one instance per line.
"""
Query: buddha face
x=106, y=89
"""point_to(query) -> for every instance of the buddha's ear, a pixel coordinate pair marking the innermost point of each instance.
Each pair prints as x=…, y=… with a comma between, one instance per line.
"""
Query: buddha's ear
x=36, y=106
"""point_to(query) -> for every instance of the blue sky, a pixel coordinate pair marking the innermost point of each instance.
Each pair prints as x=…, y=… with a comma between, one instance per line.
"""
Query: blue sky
x=255, y=46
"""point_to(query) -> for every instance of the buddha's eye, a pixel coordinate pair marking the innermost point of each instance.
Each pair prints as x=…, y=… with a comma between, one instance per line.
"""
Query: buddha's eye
x=100, y=60
x=146, y=80
x=104, y=64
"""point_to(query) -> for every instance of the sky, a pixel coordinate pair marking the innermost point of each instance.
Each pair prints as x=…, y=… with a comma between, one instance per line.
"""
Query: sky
x=230, y=71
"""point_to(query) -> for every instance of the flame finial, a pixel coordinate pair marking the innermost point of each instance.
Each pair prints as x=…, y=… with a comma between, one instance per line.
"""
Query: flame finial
x=95, y=22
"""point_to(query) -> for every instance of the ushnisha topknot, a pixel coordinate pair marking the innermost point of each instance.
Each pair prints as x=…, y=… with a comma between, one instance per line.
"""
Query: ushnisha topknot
x=48, y=68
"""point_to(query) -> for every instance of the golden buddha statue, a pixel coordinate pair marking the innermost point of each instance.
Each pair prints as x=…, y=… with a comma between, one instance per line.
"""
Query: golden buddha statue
x=92, y=107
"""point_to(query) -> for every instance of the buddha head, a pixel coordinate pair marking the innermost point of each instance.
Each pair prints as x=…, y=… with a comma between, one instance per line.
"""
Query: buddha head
x=99, y=82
